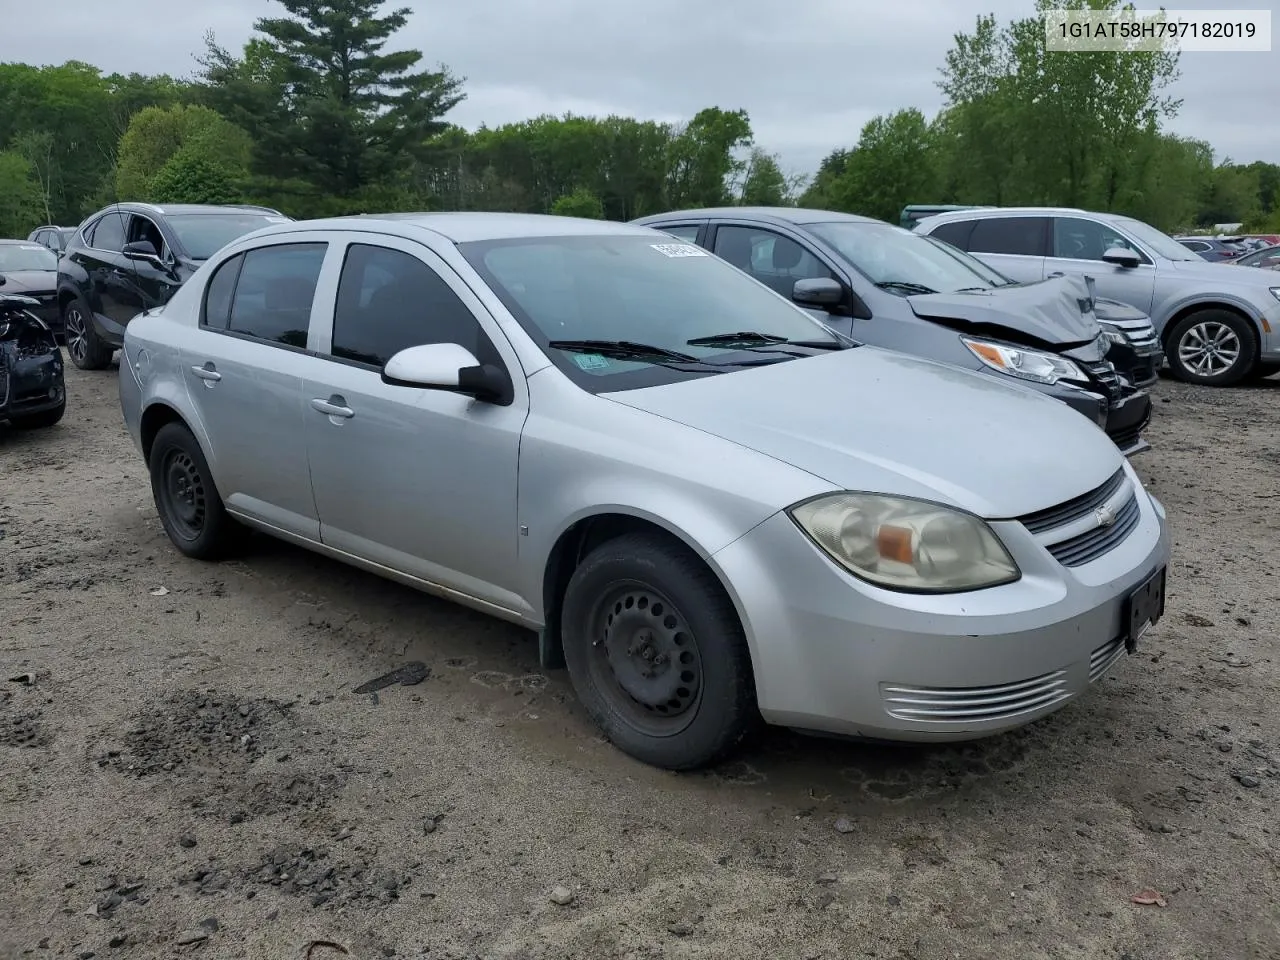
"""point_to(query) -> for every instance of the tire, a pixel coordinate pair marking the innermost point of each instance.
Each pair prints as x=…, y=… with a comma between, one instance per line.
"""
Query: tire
x=190, y=508
x=41, y=420
x=84, y=346
x=642, y=591
x=1264, y=370
x=1213, y=348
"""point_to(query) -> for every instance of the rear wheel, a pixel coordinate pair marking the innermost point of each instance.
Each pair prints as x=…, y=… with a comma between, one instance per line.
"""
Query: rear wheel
x=84, y=346
x=38, y=421
x=657, y=654
x=190, y=508
x=1215, y=348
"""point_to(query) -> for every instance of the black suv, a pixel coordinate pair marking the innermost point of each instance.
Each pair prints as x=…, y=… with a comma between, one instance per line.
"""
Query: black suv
x=130, y=257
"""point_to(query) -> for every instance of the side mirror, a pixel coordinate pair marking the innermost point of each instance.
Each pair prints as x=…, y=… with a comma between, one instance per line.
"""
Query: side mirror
x=1121, y=257
x=818, y=292
x=3, y=281
x=140, y=250
x=449, y=367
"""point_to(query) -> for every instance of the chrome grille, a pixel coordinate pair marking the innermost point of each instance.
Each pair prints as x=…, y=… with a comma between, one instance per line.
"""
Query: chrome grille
x=1140, y=332
x=974, y=704
x=1088, y=546
x=1072, y=510
x=1101, y=660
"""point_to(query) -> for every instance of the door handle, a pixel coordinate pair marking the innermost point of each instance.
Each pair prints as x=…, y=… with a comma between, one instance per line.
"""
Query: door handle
x=207, y=373
x=335, y=406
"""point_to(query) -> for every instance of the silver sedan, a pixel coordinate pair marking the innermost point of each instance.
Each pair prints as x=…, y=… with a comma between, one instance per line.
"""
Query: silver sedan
x=712, y=508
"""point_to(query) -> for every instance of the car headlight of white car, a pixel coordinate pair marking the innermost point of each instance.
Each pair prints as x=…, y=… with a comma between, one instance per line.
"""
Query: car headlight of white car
x=1025, y=364
x=903, y=544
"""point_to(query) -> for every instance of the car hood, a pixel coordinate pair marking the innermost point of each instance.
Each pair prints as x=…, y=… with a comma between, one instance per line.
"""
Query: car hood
x=1057, y=312
x=29, y=281
x=875, y=420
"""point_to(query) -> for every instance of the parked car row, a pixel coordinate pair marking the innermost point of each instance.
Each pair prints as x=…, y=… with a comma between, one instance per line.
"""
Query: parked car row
x=714, y=507
x=1219, y=325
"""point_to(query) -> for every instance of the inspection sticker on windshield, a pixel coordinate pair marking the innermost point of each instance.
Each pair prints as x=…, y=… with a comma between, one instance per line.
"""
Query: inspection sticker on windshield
x=679, y=250
x=591, y=361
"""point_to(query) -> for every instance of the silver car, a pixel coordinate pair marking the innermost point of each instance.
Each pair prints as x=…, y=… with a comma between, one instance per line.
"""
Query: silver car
x=1219, y=325
x=714, y=508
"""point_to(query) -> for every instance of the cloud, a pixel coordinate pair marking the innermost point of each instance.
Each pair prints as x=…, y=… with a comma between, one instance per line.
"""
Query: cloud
x=809, y=72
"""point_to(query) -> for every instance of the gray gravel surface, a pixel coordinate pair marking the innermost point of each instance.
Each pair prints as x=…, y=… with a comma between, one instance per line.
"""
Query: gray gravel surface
x=187, y=768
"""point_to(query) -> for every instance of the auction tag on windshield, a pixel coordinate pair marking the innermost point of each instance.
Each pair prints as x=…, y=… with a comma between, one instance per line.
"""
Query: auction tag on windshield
x=591, y=361
x=32, y=246
x=679, y=250
x=277, y=219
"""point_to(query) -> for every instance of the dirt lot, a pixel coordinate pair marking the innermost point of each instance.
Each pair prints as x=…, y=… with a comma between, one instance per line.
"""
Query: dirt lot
x=192, y=771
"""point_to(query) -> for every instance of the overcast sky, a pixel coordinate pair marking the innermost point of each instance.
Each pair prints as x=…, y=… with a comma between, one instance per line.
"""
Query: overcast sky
x=809, y=72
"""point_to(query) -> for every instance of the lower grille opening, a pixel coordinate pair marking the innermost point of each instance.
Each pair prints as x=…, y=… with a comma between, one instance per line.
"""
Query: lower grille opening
x=1102, y=659
x=974, y=704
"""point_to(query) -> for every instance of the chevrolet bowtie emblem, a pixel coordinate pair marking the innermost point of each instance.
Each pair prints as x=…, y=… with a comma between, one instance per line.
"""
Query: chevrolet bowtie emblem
x=1106, y=516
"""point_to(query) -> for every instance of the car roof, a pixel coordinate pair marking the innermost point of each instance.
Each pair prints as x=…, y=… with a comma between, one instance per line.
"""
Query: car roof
x=779, y=215
x=166, y=209
x=988, y=213
x=464, y=227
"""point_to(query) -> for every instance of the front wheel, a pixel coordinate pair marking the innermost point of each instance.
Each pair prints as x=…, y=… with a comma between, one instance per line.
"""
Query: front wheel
x=41, y=420
x=190, y=508
x=1214, y=348
x=657, y=654
x=86, y=349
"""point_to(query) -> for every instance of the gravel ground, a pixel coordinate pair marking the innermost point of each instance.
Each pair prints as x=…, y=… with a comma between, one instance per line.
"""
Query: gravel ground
x=187, y=766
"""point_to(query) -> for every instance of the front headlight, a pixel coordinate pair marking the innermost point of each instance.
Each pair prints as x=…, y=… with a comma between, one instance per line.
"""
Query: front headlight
x=1024, y=364
x=1275, y=292
x=910, y=545
x=1114, y=335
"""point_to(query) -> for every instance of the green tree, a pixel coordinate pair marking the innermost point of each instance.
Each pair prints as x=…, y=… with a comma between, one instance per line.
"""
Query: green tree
x=580, y=203
x=190, y=177
x=763, y=183
x=321, y=99
x=21, y=203
x=701, y=161
x=818, y=194
x=892, y=166
x=157, y=135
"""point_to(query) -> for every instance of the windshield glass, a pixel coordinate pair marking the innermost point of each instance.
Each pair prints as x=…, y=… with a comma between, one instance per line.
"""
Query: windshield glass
x=646, y=289
x=1162, y=244
x=26, y=256
x=886, y=254
x=204, y=234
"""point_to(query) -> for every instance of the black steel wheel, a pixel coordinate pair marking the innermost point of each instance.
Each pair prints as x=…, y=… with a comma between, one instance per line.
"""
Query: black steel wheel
x=187, y=501
x=656, y=652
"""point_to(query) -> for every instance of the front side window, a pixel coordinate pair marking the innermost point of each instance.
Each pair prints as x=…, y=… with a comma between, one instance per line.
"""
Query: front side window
x=274, y=291
x=1021, y=236
x=1077, y=239
x=903, y=262
x=776, y=261
x=389, y=300
x=645, y=289
x=142, y=228
x=109, y=232
x=687, y=232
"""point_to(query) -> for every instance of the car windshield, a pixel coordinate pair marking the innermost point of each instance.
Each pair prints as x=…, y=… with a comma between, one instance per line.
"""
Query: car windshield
x=646, y=290
x=204, y=234
x=904, y=262
x=1161, y=243
x=26, y=256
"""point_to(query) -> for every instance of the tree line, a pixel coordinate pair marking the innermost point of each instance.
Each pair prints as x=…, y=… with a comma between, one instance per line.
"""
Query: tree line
x=315, y=116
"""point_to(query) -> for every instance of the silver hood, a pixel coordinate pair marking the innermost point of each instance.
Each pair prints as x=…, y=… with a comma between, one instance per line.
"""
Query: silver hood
x=875, y=420
x=1057, y=311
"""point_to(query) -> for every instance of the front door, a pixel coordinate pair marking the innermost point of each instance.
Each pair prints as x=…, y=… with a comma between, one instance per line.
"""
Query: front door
x=1078, y=246
x=421, y=481
x=244, y=367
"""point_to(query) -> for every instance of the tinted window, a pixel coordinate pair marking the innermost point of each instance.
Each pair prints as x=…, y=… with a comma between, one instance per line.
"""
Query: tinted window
x=109, y=232
x=1018, y=235
x=274, y=291
x=389, y=300
x=204, y=234
x=1196, y=245
x=688, y=233
x=771, y=258
x=217, y=296
x=955, y=233
x=1076, y=239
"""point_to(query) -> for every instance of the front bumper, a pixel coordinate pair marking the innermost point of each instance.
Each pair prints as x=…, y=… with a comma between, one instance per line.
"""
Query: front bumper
x=1139, y=364
x=1126, y=420
x=29, y=384
x=833, y=654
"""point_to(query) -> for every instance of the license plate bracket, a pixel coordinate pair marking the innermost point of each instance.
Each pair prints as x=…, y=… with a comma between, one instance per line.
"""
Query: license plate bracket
x=1143, y=608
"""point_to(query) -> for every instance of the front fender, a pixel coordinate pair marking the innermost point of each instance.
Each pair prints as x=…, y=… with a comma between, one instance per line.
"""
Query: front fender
x=1195, y=296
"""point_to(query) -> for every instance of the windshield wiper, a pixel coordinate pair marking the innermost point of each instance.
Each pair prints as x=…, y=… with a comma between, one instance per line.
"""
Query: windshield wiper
x=749, y=340
x=905, y=285
x=623, y=350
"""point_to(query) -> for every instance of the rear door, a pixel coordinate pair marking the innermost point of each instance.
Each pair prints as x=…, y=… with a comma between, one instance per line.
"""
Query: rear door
x=1016, y=245
x=245, y=365
x=1078, y=246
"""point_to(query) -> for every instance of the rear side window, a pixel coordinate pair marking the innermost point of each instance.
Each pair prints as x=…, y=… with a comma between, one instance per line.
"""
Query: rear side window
x=274, y=291
x=389, y=300
x=217, y=296
x=1023, y=236
x=956, y=233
